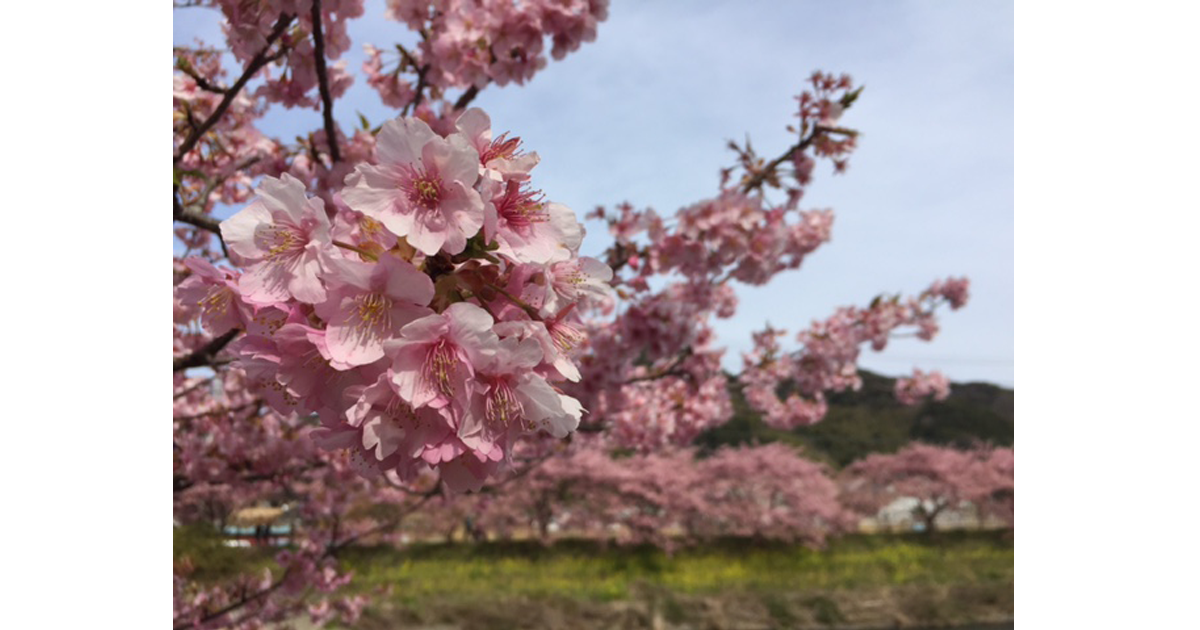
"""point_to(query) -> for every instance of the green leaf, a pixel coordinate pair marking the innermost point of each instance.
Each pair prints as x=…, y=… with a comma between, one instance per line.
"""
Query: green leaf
x=850, y=97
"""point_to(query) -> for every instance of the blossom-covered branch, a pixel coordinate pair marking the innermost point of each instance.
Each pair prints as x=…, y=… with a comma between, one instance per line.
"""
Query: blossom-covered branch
x=252, y=68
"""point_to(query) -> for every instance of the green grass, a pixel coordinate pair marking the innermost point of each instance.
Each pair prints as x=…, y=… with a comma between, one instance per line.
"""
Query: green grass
x=201, y=547
x=589, y=570
x=586, y=570
x=953, y=578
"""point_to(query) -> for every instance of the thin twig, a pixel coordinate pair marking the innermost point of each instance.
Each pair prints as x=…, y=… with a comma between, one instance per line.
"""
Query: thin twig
x=220, y=411
x=382, y=527
x=670, y=370
x=236, y=605
x=323, y=82
x=761, y=176
x=193, y=387
x=538, y=461
x=187, y=69
x=420, y=89
x=183, y=483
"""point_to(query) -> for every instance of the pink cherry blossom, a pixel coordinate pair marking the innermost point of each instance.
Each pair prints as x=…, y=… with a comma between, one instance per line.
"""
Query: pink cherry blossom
x=436, y=356
x=370, y=303
x=214, y=291
x=422, y=188
x=571, y=281
x=911, y=391
x=282, y=238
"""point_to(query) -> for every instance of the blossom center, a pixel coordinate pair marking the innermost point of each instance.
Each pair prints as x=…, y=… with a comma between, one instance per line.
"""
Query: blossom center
x=216, y=302
x=502, y=147
x=424, y=190
x=374, y=311
x=399, y=411
x=501, y=407
x=521, y=207
x=282, y=241
x=565, y=337
x=440, y=367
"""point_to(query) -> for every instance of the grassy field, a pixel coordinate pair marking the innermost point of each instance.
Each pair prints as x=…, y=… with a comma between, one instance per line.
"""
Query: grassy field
x=860, y=581
x=586, y=570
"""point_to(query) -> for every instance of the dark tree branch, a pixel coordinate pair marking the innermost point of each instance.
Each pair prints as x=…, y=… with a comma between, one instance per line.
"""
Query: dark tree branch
x=206, y=355
x=670, y=370
x=529, y=467
x=323, y=82
x=191, y=388
x=222, y=411
x=757, y=179
x=242, y=601
x=252, y=68
x=187, y=69
x=416, y=102
x=655, y=377
x=198, y=219
x=598, y=427
x=466, y=97
x=331, y=550
x=183, y=483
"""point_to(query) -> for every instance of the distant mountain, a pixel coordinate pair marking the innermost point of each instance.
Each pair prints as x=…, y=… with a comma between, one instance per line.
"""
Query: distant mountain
x=872, y=421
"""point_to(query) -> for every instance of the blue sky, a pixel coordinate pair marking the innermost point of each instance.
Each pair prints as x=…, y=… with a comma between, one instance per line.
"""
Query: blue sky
x=642, y=115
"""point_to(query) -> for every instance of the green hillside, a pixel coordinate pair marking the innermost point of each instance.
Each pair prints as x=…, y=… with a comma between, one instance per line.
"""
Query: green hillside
x=872, y=421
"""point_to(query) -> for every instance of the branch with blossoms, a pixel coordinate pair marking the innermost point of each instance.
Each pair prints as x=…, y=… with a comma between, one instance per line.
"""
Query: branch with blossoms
x=756, y=176
x=256, y=63
x=827, y=360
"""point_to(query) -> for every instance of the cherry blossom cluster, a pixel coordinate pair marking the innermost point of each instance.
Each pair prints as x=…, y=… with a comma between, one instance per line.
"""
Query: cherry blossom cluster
x=652, y=376
x=922, y=385
x=822, y=107
x=741, y=234
x=225, y=160
x=195, y=603
x=734, y=235
x=828, y=357
x=428, y=322
x=290, y=49
x=474, y=42
x=249, y=26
